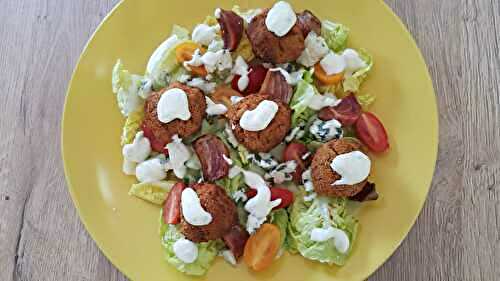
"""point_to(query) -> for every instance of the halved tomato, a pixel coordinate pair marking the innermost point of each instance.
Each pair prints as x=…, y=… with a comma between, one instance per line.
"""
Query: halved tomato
x=156, y=145
x=284, y=194
x=172, y=206
x=295, y=151
x=371, y=132
x=262, y=247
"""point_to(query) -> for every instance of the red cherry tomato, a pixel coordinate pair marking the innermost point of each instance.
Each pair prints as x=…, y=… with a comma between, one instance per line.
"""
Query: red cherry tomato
x=346, y=112
x=371, y=132
x=295, y=151
x=172, y=206
x=284, y=194
x=256, y=75
x=156, y=145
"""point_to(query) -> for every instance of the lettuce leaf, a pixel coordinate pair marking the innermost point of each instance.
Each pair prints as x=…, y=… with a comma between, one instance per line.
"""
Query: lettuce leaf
x=126, y=87
x=207, y=251
x=365, y=100
x=279, y=218
x=132, y=126
x=301, y=98
x=321, y=212
x=335, y=35
x=231, y=185
x=155, y=193
x=353, y=82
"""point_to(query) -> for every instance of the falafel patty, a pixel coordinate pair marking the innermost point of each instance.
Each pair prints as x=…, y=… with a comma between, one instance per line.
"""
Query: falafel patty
x=323, y=175
x=214, y=200
x=264, y=140
x=164, y=132
x=271, y=48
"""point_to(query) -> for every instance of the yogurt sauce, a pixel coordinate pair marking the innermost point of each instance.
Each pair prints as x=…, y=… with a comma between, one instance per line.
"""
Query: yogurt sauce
x=241, y=68
x=204, y=34
x=214, y=108
x=353, y=167
x=173, y=104
x=281, y=18
x=138, y=150
x=178, y=155
x=151, y=170
x=185, y=250
x=259, y=118
x=192, y=211
x=340, y=238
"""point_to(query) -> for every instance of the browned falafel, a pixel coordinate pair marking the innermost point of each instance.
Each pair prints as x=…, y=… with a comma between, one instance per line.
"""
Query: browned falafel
x=264, y=140
x=163, y=132
x=322, y=174
x=271, y=48
x=214, y=200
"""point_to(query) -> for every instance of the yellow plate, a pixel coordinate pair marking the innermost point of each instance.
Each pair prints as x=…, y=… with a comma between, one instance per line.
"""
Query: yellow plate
x=126, y=228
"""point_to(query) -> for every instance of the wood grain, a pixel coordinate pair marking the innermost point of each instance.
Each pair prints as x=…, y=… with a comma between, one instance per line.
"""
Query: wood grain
x=455, y=238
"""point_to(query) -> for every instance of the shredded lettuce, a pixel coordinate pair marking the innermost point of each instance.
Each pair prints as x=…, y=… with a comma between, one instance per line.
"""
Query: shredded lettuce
x=244, y=49
x=279, y=218
x=365, y=100
x=126, y=87
x=132, y=126
x=155, y=193
x=301, y=99
x=231, y=185
x=353, y=82
x=207, y=251
x=320, y=213
x=163, y=61
x=335, y=35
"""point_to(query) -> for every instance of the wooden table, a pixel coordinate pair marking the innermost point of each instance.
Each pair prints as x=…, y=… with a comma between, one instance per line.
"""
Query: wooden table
x=456, y=237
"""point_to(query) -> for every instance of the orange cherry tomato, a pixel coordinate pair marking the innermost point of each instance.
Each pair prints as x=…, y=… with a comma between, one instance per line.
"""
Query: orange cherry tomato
x=223, y=95
x=184, y=52
x=325, y=79
x=262, y=247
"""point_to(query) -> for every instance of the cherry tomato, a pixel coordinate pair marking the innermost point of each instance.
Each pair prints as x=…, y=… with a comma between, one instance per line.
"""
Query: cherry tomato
x=262, y=247
x=326, y=79
x=172, y=206
x=371, y=132
x=346, y=112
x=156, y=145
x=295, y=151
x=284, y=194
x=256, y=75
x=184, y=52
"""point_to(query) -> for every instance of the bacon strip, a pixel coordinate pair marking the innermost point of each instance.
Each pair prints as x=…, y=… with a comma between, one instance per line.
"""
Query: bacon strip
x=308, y=22
x=211, y=150
x=276, y=87
x=236, y=239
x=231, y=28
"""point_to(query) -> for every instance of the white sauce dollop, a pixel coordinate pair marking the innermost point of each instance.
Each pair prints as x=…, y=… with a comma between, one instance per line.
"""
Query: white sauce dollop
x=281, y=18
x=353, y=167
x=178, y=155
x=219, y=60
x=333, y=63
x=241, y=68
x=195, y=60
x=138, y=150
x=317, y=102
x=341, y=240
x=173, y=104
x=204, y=34
x=214, y=108
x=259, y=118
x=316, y=48
x=185, y=250
x=229, y=257
x=192, y=211
x=151, y=170
x=202, y=84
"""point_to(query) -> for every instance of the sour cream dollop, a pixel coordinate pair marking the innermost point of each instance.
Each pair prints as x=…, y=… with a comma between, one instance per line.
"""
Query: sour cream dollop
x=173, y=104
x=353, y=167
x=281, y=18
x=315, y=49
x=185, y=250
x=340, y=238
x=214, y=108
x=192, y=211
x=178, y=154
x=138, y=150
x=259, y=118
x=204, y=34
x=151, y=170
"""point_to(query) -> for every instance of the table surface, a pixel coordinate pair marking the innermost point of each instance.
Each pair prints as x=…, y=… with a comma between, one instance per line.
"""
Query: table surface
x=455, y=238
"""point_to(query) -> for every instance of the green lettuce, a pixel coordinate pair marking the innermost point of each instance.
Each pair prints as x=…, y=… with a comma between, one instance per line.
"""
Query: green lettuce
x=132, y=126
x=231, y=185
x=279, y=218
x=207, y=251
x=301, y=98
x=353, y=82
x=126, y=86
x=335, y=35
x=155, y=193
x=320, y=213
x=163, y=60
x=365, y=100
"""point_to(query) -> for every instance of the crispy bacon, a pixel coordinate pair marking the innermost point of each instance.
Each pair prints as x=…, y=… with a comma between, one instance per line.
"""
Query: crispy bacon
x=308, y=22
x=211, y=150
x=231, y=28
x=236, y=239
x=276, y=87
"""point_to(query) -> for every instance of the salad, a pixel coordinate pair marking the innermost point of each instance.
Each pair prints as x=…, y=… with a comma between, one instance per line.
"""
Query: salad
x=251, y=133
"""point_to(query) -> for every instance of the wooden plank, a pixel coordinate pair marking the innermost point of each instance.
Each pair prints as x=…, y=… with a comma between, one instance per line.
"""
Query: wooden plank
x=456, y=237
